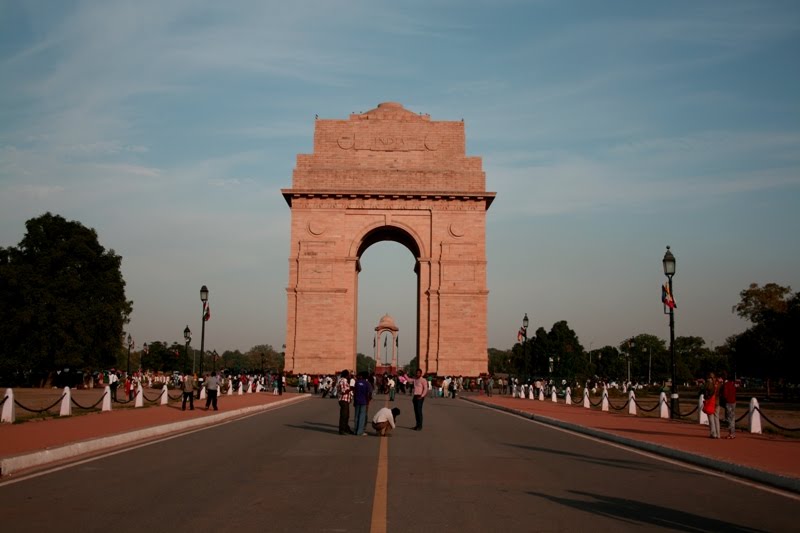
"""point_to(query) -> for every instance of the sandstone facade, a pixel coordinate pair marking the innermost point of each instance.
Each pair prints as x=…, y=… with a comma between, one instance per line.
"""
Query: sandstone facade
x=388, y=174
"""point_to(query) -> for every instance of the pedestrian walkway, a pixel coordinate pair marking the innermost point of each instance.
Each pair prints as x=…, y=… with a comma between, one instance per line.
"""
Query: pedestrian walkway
x=767, y=459
x=43, y=442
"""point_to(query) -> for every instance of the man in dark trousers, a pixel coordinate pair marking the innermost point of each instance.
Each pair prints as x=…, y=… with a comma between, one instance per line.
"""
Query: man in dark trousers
x=188, y=392
x=345, y=394
x=420, y=388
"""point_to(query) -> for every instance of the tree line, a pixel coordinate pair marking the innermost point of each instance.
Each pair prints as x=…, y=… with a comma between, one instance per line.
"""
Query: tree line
x=63, y=306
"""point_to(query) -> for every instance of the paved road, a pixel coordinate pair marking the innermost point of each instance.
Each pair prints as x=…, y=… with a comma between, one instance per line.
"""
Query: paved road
x=470, y=469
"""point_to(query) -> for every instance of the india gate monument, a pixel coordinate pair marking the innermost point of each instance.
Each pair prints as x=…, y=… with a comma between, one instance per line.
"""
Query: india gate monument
x=389, y=174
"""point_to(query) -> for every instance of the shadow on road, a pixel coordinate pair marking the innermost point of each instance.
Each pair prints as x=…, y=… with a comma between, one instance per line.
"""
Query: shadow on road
x=639, y=513
x=316, y=426
x=615, y=463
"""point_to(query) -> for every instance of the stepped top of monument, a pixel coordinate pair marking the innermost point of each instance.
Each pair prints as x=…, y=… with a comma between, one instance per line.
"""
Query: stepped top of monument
x=388, y=148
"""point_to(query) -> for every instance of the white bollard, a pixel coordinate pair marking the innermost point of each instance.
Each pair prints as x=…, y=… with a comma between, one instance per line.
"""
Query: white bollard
x=662, y=401
x=605, y=400
x=631, y=402
x=249, y=387
x=568, y=397
x=703, y=418
x=107, y=399
x=541, y=394
x=9, y=408
x=531, y=393
x=241, y=388
x=754, y=417
x=164, y=395
x=66, y=403
x=586, y=402
x=259, y=387
x=554, y=396
x=139, y=400
x=230, y=388
x=202, y=393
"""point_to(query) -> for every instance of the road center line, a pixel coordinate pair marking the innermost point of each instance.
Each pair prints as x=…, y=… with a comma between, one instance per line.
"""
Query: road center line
x=380, y=497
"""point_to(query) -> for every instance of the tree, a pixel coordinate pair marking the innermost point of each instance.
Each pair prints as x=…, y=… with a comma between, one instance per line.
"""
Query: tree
x=758, y=302
x=62, y=300
x=364, y=363
x=263, y=357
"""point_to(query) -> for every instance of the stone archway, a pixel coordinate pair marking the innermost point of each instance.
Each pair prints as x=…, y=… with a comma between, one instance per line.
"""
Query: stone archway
x=388, y=174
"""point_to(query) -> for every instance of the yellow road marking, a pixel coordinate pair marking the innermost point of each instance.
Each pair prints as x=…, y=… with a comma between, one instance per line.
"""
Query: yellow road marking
x=380, y=497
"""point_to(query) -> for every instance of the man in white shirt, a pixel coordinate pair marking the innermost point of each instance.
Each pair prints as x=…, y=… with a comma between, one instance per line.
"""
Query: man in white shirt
x=384, y=420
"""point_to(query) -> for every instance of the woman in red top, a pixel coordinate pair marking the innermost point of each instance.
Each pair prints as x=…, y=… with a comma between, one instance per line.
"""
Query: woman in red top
x=710, y=404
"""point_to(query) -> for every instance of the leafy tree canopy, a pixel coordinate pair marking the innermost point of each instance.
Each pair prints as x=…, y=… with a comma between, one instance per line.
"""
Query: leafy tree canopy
x=62, y=301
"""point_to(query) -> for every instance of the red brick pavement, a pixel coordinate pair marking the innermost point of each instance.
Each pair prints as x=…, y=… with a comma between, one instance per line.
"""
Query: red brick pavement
x=769, y=453
x=17, y=439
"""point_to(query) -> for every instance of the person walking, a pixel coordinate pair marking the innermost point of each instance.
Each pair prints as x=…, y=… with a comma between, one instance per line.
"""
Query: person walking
x=385, y=420
x=188, y=392
x=420, y=386
x=728, y=401
x=710, y=405
x=344, y=393
x=392, y=388
x=212, y=388
x=361, y=398
x=113, y=383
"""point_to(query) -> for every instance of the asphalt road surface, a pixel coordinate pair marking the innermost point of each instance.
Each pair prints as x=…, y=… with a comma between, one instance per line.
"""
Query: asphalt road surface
x=469, y=469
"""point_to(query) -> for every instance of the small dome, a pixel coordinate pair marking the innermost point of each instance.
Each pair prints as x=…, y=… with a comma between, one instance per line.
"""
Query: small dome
x=387, y=322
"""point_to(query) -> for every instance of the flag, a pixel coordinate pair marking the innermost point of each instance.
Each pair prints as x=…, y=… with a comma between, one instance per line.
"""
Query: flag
x=666, y=297
x=206, y=311
x=521, y=334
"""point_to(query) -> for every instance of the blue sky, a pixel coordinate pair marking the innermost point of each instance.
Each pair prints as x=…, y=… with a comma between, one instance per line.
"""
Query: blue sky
x=607, y=129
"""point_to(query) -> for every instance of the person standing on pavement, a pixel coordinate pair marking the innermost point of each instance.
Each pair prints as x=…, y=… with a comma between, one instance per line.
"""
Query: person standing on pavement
x=728, y=400
x=361, y=398
x=212, y=388
x=344, y=393
x=113, y=382
x=392, y=387
x=420, y=387
x=188, y=392
x=710, y=405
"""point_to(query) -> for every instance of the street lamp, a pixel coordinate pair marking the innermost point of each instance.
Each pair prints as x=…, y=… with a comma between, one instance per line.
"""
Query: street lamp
x=130, y=345
x=669, y=271
x=204, y=299
x=631, y=346
x=145, y=351
x=214, y=356
x=187, y=336
x=525, y=323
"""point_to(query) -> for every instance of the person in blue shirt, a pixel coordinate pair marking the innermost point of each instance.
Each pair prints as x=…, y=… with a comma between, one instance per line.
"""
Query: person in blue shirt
x=361, y=398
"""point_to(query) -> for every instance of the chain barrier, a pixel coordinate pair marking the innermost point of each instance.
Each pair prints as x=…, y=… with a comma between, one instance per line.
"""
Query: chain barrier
x=40, y=410
x=687, y=415
x=745, y=415
x=619, y=408
x=158, y=398
x=92, y=406
x=180, y=396
x=4, y=400
x=782, y=428
x=656, y=406
x=122, y=401
x=598, y=404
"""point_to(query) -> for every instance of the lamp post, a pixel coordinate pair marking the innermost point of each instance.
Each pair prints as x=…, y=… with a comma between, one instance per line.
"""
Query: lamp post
x=669, y=271
x=204, y=299
x=187, y=336
x=130, y=345
x=214, y=356
x=525, y=323
x=145, y=351
x=631, y=346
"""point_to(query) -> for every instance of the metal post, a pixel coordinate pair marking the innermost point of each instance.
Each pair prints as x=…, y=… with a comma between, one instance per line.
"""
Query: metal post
x=674, y=400
x=202, y=343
